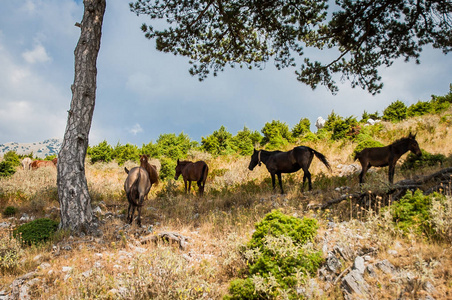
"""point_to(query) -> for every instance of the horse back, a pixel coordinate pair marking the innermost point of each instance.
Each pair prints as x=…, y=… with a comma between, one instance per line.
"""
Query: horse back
x=375, y=156
x=138, y=177
x=195, y=171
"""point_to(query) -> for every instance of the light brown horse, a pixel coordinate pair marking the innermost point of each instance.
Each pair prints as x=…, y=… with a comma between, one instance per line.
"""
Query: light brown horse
x=387, y=156
x=26, y=162
x=137, y=187
x=43, y=163
x=192, y=171
x=152, y=170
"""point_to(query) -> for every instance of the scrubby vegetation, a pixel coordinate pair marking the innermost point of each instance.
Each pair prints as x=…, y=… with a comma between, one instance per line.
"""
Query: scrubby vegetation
x=240, y=241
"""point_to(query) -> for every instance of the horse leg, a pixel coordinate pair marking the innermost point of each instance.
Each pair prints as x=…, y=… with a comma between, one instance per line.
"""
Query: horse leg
x=189, y=186
x=391, y=173
x=280, y=183
x=139, y=216
x=185, y=181
x=307, y=174
x=364, y=169
x=200, y=187
x=128, y=212
x=273, y=180
x=132, y=213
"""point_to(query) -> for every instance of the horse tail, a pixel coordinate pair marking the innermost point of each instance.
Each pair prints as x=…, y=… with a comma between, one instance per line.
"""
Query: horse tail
x=322, y=158
x=205, y=170
x=134, y=193
x=127, y=170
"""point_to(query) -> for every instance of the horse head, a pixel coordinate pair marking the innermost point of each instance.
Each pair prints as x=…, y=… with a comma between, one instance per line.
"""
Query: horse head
x=413, y=145
x=255, y=160
x=178, y=170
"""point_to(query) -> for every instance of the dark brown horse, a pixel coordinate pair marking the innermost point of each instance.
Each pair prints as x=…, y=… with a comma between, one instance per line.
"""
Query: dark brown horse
x=152, y=170
x=278, y=162
x=137, y=187
x=192, y=171
x=386, y=156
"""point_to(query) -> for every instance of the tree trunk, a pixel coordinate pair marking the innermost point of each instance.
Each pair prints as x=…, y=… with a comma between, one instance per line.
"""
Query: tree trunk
x=74, y=198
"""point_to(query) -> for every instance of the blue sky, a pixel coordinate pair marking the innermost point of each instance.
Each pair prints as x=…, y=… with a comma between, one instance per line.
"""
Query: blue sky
x=143, y=93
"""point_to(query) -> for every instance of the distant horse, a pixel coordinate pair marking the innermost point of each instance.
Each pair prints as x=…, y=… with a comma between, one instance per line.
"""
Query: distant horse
x=137, y=187
x=278, y=162
x=26, y=162
x=152, y=170
x=192, y=171
x=43, y=163
x=386, y=156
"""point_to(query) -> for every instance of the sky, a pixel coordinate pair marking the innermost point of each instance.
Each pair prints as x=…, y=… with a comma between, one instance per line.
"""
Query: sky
x=143, y=93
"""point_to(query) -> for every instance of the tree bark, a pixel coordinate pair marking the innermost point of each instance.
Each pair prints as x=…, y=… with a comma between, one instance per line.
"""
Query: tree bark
x=75, y=202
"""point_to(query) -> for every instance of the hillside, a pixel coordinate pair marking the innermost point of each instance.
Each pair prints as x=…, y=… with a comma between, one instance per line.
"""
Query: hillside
x=39, y=149
x=193, y=248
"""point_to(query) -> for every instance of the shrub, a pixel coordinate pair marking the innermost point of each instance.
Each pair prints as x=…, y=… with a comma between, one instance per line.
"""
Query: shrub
x=245, y=141
x=10, y=211
x=414, y=162
x=219, y=142
x=102, y=152
x=395, y=112
x=343, y=128
x=12, y=157
x=368, y=143
x=10, y=253
x=419, y=109
x=276, y=135
x=6, y=168
x=278, y=258
x=170, y=145
x=412, y=212
x=168, y=168
x=36, y=231
x=303, y=127
x=123, y=153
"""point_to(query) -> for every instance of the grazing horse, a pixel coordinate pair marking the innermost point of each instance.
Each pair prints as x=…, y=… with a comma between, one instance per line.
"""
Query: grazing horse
x=43, y=163
x=278, y=162
x=26, y=162
x=137, y=187
x=386, y=156
x=152, y=170
x=192, y=171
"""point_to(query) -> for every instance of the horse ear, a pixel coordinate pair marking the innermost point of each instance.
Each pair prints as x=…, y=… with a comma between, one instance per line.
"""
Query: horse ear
x=178, y=161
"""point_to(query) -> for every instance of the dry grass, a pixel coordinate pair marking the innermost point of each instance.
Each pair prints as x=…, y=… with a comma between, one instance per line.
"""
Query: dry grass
x=118, y=266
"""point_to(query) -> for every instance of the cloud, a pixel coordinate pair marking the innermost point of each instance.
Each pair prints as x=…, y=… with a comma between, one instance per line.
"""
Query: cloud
x=38, y=54
x=136, y=129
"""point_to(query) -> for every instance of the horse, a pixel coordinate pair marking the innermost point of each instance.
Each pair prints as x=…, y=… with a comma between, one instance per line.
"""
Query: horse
x=43, y=163
x=152, y=170
x=26, y=162
x=137, y=186
x=278, y=162
x=386, y=156
x=192, y=171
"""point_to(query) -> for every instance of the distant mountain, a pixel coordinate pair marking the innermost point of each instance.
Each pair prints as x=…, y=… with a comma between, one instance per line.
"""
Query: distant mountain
x=39, y=149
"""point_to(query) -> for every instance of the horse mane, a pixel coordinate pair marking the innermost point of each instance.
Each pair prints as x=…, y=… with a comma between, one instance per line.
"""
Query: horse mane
x=185, y=162
x=152, y=170
x=401, y=140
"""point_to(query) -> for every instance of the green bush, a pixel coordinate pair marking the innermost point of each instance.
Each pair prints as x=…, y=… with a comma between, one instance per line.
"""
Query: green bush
x=10, y=211
x=102, y=152
x=411, y=213
x=218, y=143
x=168, y=168
x=6, y=168
x=12, y=157
x=279, y=258
x=414, y=162
x=276, y=135
x=367, y=143
x=303, y=127
x=245, y=141
x=419, y=109
x=123, y=153
x=395, y=112
x=36, y=231
x=344, y=128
